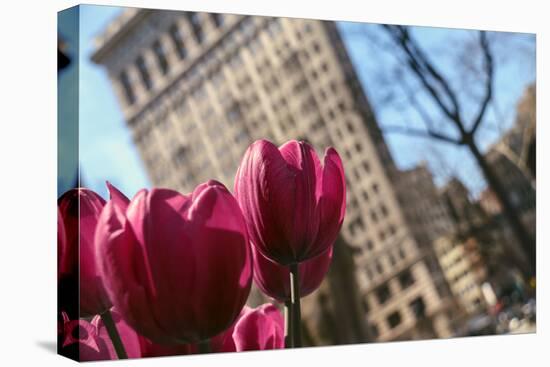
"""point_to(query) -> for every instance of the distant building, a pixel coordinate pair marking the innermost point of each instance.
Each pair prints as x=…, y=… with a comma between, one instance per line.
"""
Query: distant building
x=465, y=213
x=196, y=89
x=427, y=212
x=464, y=270
x=512, y=157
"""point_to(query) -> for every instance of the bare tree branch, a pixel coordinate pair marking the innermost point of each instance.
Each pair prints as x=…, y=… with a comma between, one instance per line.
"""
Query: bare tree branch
x=423, y=69
x=488, y=63
x=420, y=133
x=424, y=115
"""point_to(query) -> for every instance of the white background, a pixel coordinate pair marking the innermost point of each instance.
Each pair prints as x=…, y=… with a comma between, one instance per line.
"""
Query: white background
x=28, y=182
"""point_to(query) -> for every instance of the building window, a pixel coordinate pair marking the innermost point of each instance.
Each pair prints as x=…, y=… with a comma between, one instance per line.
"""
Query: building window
x=366, y=166
x=383, y=210
x=181, y=154
x=373, y=331
x=401, y=252
x=379, y=268
x=350, y=126
x=316, y=47
x=383, y=294
x=128, y=91
x=366, y=307
x=160, y=56
x=194, y=19
x=406, y=279
x=234, y=113
x=370, y=245
x=418, y=308
x=217, y=19
x=274, y=27
x=373, y=216
x=394, y=319
x=144, y=73
x=356, y=225
x=177, y=39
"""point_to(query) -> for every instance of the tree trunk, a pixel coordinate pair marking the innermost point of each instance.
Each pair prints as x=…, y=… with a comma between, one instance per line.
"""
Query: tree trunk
x=525, y=240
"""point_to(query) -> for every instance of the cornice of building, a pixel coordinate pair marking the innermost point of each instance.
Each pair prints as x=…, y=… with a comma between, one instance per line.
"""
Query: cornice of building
x=115, y=31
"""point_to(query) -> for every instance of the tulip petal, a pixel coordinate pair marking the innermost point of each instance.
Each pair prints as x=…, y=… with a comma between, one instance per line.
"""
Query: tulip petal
x=219, y=232
x=118, y=197
x=259, y=329
x=119, y=254
x=264, y=186
x=332, y=203
x=303, y=161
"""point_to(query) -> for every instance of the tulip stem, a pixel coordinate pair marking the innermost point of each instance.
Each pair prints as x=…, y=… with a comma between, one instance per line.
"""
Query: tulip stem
x=289, y=342
x=295, y=314
x=204, y=346
x=107, y=319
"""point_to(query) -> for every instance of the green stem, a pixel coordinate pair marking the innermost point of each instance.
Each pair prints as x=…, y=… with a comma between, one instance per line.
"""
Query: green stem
x=289, y=342
x=295, y=314
x=107, y=319
x=204, y=346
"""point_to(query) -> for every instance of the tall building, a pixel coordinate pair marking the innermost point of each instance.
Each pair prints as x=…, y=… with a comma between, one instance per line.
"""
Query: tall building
x=465, y=213
x=427, y=212
x=196, y=89
x=513, y=159
x=464, y=270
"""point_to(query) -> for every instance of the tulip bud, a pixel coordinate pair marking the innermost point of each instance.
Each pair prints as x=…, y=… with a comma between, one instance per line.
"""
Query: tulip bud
x=177, y=267
x=258, y=328
x=273, y=279
x=293, y=206
x=80, y=209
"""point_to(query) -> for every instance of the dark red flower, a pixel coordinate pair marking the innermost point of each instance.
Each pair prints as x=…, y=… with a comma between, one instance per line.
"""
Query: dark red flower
x=80, y=209
x=177, y=267
x=293, y=206
x=258, y=328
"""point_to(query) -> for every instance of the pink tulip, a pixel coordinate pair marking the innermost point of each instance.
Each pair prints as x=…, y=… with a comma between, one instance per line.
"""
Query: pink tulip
x=177, y=267
x=273, y=279
x=260, y=328
x=61, y=241
x=293, y=206
x=80, y=209
x=81, y=341
x=90, y=341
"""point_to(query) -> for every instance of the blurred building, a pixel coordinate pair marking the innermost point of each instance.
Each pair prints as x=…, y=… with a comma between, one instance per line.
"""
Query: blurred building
x=465, y=213
x=196, y=89
x=425, y=208
x=513, y=158
x=464, y=270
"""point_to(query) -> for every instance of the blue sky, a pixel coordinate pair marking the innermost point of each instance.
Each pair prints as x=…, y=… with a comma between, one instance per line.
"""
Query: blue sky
x=107, y=152
x=106, y=148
